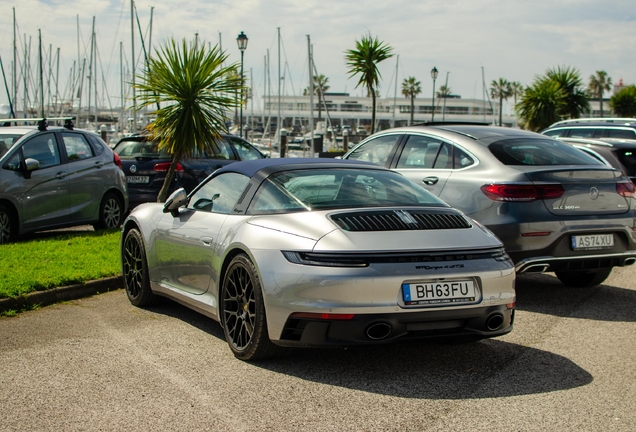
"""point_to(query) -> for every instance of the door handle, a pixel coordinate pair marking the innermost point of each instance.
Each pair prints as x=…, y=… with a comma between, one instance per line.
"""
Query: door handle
x=99, y=164
x=206, y=241
x=430, y=180
x=61, y=175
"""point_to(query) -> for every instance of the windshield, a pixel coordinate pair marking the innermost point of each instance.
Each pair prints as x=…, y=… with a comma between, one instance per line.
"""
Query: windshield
x=525, y=151
x=336, y=188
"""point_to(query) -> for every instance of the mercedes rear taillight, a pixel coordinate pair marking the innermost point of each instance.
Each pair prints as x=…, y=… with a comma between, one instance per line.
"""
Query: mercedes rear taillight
x=625, y=189
x=522, y=192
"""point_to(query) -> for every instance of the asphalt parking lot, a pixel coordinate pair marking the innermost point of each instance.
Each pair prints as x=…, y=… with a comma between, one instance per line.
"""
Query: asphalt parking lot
x=101, y=364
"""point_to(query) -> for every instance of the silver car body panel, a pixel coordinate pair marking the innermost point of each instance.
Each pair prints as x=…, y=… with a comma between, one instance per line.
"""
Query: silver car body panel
x=199, y=252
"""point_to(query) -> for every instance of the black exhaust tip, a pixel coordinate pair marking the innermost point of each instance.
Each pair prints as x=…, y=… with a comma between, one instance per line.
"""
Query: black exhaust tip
x=379, y=331
x=494, y=321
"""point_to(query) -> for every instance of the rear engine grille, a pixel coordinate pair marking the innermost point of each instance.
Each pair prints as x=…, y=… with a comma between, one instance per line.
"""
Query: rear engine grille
x=399, y=220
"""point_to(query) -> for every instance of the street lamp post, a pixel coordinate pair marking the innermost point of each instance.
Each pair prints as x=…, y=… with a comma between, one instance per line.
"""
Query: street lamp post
x=434, y=76
x=241, y=40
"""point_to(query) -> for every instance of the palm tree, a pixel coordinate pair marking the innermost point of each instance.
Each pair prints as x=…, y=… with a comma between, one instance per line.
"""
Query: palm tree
x=196, y=91
x=410, y=89
x=320, y=87
x=500, y=90
x=443, y=92
x=599, y=83
x=624, y=102
x=516, y=89
x=541, y=104
x=363, y=61
x=569, y=79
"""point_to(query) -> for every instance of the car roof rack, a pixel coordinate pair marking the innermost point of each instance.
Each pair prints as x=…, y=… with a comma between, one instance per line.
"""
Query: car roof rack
x=42, y=123
x=595, y=120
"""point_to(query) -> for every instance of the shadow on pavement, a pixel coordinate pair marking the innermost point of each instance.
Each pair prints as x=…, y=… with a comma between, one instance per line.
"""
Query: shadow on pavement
x=486, y=369
x=543, y=293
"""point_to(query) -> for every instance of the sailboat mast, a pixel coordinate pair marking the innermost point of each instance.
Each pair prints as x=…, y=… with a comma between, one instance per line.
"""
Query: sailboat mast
x=132, y=43
x=41, y=73
x=15, y=67
x=311, y=96
x=397, y=62
x=279, y=122
x=90, y=76
x=121, y=85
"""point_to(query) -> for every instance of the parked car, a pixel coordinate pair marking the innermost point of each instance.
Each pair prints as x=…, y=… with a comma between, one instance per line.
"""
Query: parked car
x=619, y=153
x=55, y=177
x=146, y=166
x=621, y=128
x=554, y=207
x=310, y=252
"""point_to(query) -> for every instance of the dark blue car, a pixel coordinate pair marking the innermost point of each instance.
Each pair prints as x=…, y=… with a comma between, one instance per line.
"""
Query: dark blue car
x=145, y=166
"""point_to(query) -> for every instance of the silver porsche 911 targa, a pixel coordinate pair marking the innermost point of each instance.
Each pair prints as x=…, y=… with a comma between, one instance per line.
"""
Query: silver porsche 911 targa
x=319, y=252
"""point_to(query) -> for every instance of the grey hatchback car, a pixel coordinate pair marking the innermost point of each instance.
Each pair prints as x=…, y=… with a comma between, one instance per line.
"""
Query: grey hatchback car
x=55, y=177
x=555, y=208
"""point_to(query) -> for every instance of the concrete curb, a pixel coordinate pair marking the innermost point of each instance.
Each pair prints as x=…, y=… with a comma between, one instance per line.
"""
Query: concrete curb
x=56, y=295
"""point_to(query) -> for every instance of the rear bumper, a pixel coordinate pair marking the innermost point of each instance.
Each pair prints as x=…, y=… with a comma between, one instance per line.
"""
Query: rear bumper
x=542, y=264
x=368, y=329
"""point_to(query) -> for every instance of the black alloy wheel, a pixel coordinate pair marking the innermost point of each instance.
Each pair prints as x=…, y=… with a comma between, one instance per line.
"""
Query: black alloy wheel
x=243, y=312
x=135, y=270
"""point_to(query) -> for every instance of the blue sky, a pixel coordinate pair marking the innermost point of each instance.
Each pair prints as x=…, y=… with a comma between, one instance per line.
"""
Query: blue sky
x=516, y=40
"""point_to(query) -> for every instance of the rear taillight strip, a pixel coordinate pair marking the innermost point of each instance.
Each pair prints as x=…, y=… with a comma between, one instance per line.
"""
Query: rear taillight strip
x=519, y=192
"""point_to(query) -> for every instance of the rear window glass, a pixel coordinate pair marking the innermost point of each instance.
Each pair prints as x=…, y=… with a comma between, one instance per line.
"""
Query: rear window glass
x=539, y=152
x=135, y=149
x=331, y=188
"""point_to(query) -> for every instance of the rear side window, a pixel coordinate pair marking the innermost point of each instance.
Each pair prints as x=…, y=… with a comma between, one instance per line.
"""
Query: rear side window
x=581, y=133
x=77, y=148
x=622, y=133
x=539, y=152
x=376, y=151
x=425, y=152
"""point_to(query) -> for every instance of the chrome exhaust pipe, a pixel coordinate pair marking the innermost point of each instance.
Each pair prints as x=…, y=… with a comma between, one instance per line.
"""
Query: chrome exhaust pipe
x=629, y=261
x=379, y=331
x=494, y=321
x=536, y=268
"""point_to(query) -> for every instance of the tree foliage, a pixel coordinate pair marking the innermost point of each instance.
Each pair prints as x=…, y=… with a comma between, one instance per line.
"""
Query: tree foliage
x=194, y=91
x=599, y=84
x=624, y=102
x=410, y=89
x=541, y=104
x=363, y=61
x=501, y=90
x=552, y=97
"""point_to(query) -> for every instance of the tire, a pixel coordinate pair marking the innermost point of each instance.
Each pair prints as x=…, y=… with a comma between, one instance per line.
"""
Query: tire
x=135, y=270
x=243, y=312
x=8, y=226
x=111, y=212
x=583, y=279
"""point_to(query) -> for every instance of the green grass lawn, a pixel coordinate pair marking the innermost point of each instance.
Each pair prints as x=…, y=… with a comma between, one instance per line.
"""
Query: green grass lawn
x=70, y=258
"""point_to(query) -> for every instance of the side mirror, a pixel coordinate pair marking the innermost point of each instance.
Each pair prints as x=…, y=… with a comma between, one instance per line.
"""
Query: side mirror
x=177, y=199
x=30, y=164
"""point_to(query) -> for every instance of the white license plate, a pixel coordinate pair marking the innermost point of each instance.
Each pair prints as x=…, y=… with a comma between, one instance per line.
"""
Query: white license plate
x=592, y=241
x=442, y=292
x=137, y=179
